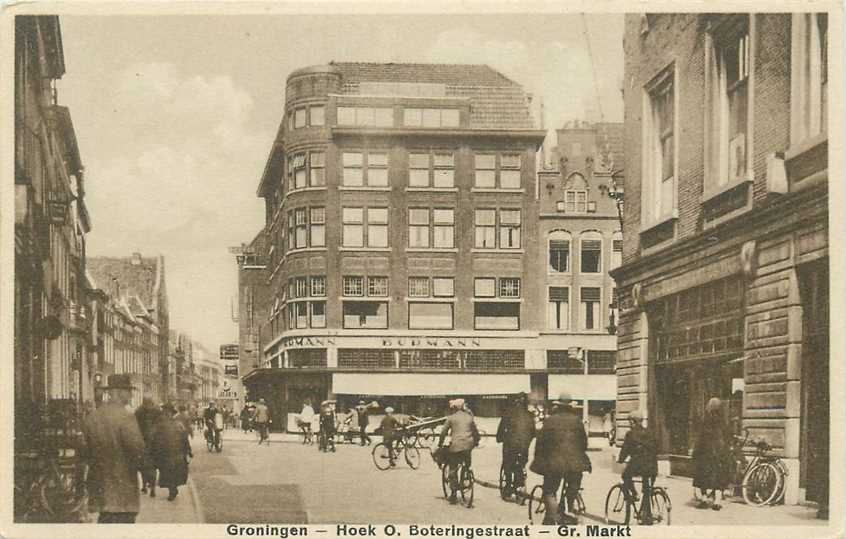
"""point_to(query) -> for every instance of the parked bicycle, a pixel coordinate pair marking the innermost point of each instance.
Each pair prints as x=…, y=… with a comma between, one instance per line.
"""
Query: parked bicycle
x=382, y=458
x=537, y=509
x=763, y=476
x=620, y=505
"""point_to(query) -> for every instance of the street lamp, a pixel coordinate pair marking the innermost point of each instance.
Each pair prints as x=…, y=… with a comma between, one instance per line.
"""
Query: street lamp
x=616, y=193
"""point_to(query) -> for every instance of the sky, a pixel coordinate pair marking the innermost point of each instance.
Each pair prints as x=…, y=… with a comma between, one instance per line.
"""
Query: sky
x=175, y=117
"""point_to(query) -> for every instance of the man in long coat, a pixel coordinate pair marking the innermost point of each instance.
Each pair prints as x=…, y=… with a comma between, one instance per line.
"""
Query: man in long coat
x=561, y=455
x=114, y=450
x=515, y=432
x=170, y=450
x=147, y=414
x=464, y=436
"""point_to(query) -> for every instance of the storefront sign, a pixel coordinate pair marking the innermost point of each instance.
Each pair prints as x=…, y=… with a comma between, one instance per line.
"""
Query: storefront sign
x=431, y=342
x=229, y=352
x=307, y=342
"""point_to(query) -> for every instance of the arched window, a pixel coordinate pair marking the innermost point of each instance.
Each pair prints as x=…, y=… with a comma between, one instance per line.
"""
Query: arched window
x=559, y=251
x=590, y=252
x=616, y=250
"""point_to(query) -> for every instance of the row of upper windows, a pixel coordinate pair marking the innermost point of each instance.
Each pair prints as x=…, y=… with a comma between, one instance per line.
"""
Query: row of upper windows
x=304, y=311
x=590, y=252
x=427, y=228
x=728, y=158
x=425, y=169
x=315, y=115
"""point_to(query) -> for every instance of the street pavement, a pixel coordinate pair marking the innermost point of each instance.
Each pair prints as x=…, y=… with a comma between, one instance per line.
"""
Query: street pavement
x=287, y=482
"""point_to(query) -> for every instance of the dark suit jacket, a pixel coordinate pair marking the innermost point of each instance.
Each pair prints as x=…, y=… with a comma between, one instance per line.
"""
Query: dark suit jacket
x=114, y=450
x=561, y=446
x=516, y=430
x=641, y=447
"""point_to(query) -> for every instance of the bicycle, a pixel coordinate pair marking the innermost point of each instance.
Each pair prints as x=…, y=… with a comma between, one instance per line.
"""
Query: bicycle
x=382, y=458
x=763, y=476
x=619, y=505
x=325, y=441
x=506, y=488
x=214, y=441
x=305, y=431
x=261, y=433
x=537, y=508
x=466, y=483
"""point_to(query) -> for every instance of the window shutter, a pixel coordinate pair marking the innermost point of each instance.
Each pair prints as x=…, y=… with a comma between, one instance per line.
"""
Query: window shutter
x=591, y=245
x=559, y=245
x=590, y=294
x=558, y=293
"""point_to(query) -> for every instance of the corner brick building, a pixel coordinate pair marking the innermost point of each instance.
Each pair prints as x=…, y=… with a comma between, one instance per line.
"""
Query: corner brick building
x=724, y=285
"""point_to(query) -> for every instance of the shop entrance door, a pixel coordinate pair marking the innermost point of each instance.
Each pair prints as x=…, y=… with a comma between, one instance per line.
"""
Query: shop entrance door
x=813, y=451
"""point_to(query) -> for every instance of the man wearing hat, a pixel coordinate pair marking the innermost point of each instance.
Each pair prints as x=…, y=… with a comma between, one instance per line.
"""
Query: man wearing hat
x=262, y=420
x=515, y=432
x=561, y=455
x=390, y=425
x=464, y=436
x=363, y=418
x=114, y=450
x=640, y=447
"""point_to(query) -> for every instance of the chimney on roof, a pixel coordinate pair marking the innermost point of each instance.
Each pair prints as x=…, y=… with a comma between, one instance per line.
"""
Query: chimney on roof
x=136, y=259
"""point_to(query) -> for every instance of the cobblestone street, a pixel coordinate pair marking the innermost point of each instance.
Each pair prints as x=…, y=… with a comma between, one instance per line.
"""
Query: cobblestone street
x=287, y=482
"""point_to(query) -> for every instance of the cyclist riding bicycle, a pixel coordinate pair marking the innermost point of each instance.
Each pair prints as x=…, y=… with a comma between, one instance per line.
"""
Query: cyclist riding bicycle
x=640, y=447
x=213, y=419
x=391, y=431
x=305, y=418
x=561, y=456
x=515, y=432
x=464, y=436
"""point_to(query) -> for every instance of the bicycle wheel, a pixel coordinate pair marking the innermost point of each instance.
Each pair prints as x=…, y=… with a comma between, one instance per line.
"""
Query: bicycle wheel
x=445, y=480
x=466, y=486
x=219, y=443
x=761, y=484
x=412, y=456
x=380, y=455
x=210, y=444
x=661, y=506
x=504, y=489
x=617, y=507
x=536, y=506
x=59, y=495
x=579, y=505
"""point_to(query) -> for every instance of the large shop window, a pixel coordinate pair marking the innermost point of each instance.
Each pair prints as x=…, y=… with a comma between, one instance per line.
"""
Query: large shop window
x=430, y=359
x=495, y=359
x=365, y=358
x=696, y=341
x=365, y=314
x=430, y=315
x=305, y=358
x=497, y=316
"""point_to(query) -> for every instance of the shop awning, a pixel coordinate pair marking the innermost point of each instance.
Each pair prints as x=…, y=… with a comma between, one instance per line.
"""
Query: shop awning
x=598, y=387
x=428, y=384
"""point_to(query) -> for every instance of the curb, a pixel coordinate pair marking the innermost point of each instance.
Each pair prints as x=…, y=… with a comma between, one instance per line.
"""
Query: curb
x=195, y=498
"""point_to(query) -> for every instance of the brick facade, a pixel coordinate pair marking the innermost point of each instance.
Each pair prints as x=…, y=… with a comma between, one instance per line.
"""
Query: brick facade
x=773, y=241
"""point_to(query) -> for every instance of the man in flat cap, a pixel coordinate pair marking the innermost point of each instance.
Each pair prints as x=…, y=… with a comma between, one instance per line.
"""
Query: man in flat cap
x=464, y=436
x=640, y=447
x=114, y=450
x=561, y=455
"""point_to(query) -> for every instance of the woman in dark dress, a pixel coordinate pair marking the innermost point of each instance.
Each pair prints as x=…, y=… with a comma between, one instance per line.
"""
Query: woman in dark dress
x=147, y=415
x=170, y=450
x=711, y=456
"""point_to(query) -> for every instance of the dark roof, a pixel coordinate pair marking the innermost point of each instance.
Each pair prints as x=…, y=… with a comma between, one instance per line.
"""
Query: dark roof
x=449, y=74
x=115, y=275
x=496, y=102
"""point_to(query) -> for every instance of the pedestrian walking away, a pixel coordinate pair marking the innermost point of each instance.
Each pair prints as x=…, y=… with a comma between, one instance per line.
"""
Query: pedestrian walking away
x=185, y=420
x=114, y=450
x=363, y=418
x=262, y=420
x=171, y=451
x=561, y=456
x=464, y=436
x=147, y=414
x=640, y=447
x=712, y=457
x=515, y=432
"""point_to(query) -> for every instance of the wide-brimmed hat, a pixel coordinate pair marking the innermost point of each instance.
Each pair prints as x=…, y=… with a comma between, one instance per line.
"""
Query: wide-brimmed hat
x=636, y=415
x=119, y=381
x=456, y=403
x=389, y=410
x=566, y=399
